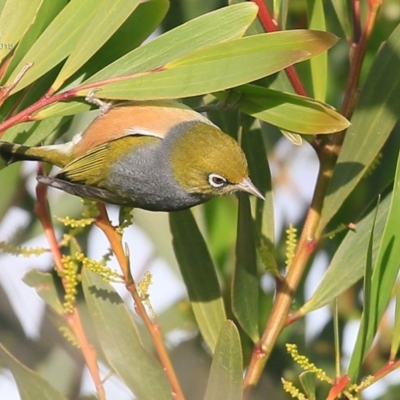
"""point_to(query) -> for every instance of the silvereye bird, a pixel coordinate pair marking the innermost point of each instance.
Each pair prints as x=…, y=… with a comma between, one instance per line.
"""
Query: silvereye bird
x=159, y=156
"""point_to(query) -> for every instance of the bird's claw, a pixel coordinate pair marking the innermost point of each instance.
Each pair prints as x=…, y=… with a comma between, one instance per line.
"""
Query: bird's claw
x=104, y=106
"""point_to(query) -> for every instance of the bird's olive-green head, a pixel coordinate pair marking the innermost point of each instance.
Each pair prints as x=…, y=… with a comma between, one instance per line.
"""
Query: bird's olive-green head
x=207, y=161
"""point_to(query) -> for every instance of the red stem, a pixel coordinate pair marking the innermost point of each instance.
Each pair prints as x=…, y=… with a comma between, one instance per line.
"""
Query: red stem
x=270, y=25
x=72, y=319
x=153, y=328
x=357, y=53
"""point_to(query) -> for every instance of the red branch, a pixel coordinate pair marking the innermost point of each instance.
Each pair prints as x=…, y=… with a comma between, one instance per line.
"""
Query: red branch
x=270, y=25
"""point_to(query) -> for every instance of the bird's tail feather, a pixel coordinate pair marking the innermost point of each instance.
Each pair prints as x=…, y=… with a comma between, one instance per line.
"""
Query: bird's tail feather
x=11, y=152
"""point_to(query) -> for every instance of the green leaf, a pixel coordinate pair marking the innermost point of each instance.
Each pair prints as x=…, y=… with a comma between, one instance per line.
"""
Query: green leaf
x=199, y=275
x=62, y=109
x=307, y=41
x=98, y=30
x=120, y=340
x=339, y=276
x=256, y=154
x=308, y=380
x=282, y=7
x=47, y=12
x=58, y=41
x=359, y=355
x=10, y=179
x=31, y=386
x=319, y=64
x=225, y=381
x=32, y=133
x=374, y=118
x=384, y=276
x=156, y=227
x=289, y=111
x=220, y=219
x=44, y=285
x=245, y=278
x=136, y=28
x=224, y=24
x=342, y=8
x=15, y=19
x=242, y=60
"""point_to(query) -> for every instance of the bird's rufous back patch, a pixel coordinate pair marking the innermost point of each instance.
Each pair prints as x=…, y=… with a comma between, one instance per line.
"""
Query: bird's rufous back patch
x=144, y=120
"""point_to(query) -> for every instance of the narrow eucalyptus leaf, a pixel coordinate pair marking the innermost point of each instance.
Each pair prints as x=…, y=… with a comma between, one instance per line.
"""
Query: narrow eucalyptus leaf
x=120, y=340
x=57, y=42
x=15, y=19
x=31, y=385
x=290, y=112
x=348, y=264
x=386, y=269
x=225, y=380
x=44, y=284
x=199, y=275
x=98, y=30
x=245, y=284
x=221, y=25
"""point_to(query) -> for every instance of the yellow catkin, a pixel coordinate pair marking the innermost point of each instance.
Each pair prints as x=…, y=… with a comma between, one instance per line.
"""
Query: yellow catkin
x=20, y=250
x=75, y=223
x=98, y=267
x=66, y=240
x=366, y=382
x=291, y=244
x=143, y=289
x=288, y=387
x=71, y=277
x=305, y=363
x=69, y=336
x=353, y=388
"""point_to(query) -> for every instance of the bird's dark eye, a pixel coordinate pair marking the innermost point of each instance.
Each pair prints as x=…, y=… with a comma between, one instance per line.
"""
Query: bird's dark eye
x=216, y=181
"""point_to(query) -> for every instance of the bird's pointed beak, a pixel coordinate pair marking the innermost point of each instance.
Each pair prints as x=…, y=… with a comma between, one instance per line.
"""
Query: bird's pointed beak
x=247, y=186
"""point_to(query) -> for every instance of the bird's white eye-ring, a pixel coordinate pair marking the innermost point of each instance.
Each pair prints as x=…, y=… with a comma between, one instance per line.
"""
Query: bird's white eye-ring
x=216, y=181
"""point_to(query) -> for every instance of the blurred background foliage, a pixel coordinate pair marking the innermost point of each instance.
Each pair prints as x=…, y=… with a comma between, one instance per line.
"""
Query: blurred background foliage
x=293, y=169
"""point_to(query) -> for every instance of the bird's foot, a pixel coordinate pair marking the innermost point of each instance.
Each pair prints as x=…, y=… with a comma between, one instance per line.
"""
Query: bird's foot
x=104, y=106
